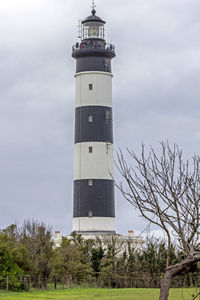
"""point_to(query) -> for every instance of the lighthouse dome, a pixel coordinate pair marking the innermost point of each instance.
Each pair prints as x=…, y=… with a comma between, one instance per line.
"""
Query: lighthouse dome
x=93, y=20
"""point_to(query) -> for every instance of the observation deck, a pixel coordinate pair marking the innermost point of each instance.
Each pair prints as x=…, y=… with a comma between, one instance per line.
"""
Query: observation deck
x=93, y=47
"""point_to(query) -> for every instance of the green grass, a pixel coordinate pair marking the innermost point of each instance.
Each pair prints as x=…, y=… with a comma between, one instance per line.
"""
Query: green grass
x=98, y=294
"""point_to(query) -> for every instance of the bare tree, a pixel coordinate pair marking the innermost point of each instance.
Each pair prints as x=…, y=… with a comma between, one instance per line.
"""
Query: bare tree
x=166, y=191
x=36, y=238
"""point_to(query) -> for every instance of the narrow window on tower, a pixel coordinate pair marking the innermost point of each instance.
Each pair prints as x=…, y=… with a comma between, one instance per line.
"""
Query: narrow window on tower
x=90, y=150
x=107, y=116
x=90, y=119
x=90, y=213
x=90, y=86
x=90, y=182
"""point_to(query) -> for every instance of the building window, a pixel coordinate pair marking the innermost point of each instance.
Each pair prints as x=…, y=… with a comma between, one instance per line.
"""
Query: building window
x=90, y=150
x=90, y=213
x=90, y=86
x=90, y=182
x=90, y=119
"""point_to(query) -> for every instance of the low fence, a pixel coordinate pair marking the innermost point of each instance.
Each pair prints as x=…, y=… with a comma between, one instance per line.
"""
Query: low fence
x=12, y=283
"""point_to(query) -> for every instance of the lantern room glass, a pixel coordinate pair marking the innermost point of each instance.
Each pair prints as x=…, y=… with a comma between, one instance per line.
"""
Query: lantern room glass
x=93, y=30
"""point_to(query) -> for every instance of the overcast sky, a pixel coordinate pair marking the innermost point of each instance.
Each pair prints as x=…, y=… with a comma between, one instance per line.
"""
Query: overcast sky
x=156, y=96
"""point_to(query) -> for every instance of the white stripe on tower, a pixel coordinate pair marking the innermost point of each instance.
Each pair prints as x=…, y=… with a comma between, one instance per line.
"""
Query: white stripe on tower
x=97, y=164
x=100, y=95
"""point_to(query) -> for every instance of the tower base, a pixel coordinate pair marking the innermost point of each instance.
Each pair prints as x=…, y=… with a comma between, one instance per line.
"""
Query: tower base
x=94, y=224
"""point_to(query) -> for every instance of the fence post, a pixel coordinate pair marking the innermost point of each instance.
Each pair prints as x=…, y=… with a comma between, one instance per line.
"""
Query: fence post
x=55, y=282
x=7, y=283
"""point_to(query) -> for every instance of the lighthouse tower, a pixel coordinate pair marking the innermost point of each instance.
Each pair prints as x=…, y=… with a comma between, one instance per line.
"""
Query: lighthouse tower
x=94, y=203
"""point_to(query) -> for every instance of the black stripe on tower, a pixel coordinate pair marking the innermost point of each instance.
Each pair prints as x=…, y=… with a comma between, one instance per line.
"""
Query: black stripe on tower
x=94, y=198
x=93, y=124
x=93, y=63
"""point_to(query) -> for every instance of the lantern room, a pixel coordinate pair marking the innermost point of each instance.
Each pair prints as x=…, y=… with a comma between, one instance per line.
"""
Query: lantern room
x=92, y=27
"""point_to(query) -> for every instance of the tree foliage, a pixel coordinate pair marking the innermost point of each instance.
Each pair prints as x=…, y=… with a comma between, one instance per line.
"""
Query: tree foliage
x=8, y=267
x=28, y=258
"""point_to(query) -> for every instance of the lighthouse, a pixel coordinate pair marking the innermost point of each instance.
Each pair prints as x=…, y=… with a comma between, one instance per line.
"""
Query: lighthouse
x=93, y=198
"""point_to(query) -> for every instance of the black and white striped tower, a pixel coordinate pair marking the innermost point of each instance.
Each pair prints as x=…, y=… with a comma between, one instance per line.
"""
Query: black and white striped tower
x=94, y=203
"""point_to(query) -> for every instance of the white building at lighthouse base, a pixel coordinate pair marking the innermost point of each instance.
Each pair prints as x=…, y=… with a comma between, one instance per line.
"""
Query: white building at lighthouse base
x=136, y=241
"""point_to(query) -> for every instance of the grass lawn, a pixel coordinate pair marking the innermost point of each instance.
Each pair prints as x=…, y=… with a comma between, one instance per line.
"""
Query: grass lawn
x=98, y=294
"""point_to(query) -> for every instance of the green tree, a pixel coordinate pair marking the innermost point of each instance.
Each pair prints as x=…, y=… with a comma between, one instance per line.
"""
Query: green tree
x=96, y=256
x=9, y=271
x=113, y=249
x=71, y=261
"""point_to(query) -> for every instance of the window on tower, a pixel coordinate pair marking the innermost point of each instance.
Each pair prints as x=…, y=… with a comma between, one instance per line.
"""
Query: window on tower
x=90, y=182
x=90, y=149
x=90, y=119
x=90, y=213
x=90, y=86
x=107, y=116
